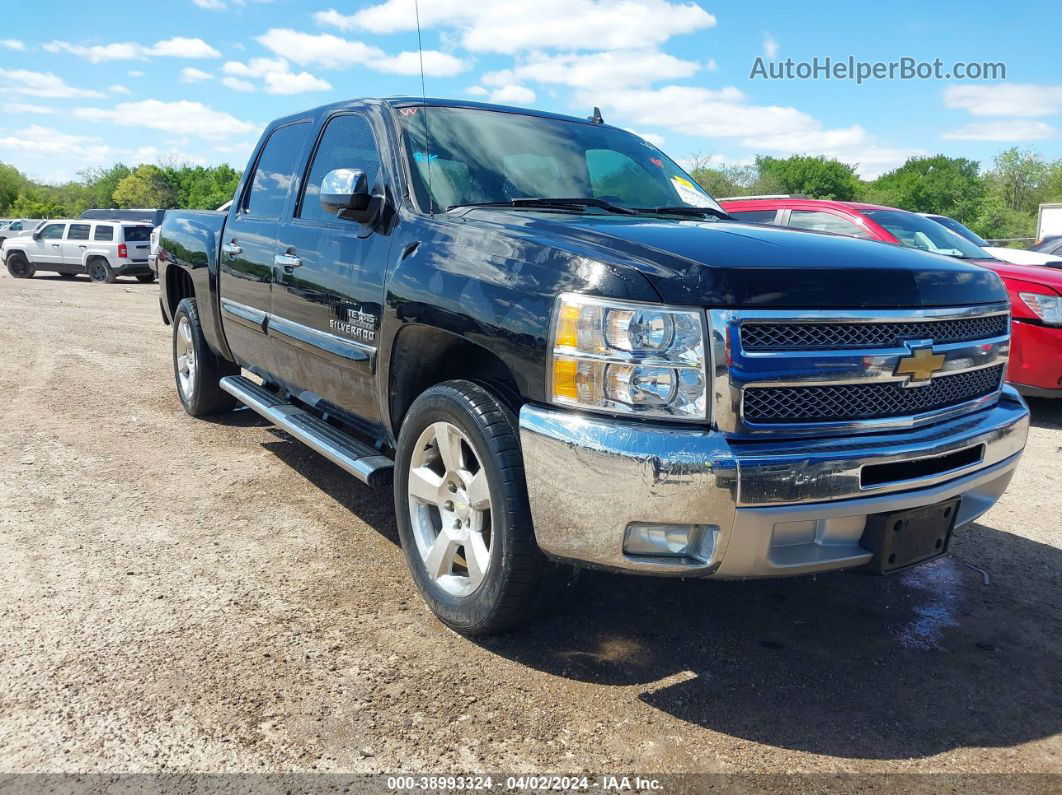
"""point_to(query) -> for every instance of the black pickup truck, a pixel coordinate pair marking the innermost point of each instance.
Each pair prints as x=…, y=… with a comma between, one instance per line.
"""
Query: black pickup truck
x=560, y=350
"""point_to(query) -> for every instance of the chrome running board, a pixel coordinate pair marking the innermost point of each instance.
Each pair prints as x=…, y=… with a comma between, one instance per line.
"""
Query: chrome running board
x=359, y=459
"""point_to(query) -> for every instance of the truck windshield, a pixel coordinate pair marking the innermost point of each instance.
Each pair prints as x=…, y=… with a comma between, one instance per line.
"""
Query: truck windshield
x=468, y=156
x=917, y=231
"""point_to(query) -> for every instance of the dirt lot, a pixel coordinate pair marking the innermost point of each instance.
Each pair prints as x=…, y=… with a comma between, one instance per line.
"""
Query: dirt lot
x=212, y=596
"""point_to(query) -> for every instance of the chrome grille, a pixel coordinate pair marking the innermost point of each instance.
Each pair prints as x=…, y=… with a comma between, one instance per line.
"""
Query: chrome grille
x=810, y=336
x=866, y=401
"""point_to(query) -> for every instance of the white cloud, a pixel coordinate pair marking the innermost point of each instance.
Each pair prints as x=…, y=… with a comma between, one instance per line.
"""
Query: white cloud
x=711, y=66
x=237, y=85
x=1005, y=99
x=509, y=26
x=770, y=47
x=333, y=52
x=436, y=64
x=12, y=44
x=136, y=73
x=602, y=70
x=210, y=5
x=26, y=107
x=36, y=140
x=182, y=47
x=177, y=118
x=177, y=47
x=294, y=83
x=192, y=75
x=1003, y=130
x=275, y=74
x=41, y=84
x=118, y=88
x=476, y=91
x=512, y=95
x=727, y=114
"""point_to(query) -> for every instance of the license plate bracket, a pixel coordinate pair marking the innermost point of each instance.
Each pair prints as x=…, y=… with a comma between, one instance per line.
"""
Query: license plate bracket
x=902, y=539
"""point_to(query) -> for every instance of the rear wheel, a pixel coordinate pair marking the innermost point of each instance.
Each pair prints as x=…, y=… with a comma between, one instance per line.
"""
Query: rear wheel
x=146, y=278
x=19, y=267
x=463, y=514
x=100, y=271
x=197, y=369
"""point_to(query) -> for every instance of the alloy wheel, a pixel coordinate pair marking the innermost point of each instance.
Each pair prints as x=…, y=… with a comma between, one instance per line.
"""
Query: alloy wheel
x=185, y=351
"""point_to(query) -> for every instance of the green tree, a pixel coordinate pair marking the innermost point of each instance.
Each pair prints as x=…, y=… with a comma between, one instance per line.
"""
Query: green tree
x=146, y=186
x=722, y=180
x=100, y=184
x=949, y=186
x=11, y=184
x=1018, y=177
x=816, y=177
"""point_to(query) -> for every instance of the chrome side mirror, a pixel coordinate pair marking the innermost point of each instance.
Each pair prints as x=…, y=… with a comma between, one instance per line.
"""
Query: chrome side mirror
x=345, y=193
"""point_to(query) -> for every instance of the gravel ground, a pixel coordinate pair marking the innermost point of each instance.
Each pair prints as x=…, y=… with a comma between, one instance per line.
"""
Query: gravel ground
x=182, y=595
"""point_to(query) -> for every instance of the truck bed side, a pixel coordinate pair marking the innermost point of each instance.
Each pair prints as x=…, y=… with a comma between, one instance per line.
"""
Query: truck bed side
x=189, y=244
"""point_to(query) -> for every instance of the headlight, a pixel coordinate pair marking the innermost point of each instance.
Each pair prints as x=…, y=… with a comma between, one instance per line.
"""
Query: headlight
x=641, y=359
x=1046, y=307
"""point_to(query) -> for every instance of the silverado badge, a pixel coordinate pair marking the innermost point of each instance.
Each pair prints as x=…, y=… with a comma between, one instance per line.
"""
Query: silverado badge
x=920, y=366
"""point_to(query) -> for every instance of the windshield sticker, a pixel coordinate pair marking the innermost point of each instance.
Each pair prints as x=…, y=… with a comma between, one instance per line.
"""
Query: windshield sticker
x=656, y=161
x=689, y=193
x=424, y=157
x=408, y=111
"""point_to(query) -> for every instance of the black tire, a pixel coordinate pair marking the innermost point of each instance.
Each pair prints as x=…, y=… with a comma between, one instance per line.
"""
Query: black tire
x=20, y=267
x=146, y=278
x=519, y=573
x=205, y=397
x=100, y=272
x=67, y=275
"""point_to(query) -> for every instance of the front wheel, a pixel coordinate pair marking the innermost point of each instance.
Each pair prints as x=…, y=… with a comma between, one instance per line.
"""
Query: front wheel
x=463, y=513
x=19, y=267
x=197, y=369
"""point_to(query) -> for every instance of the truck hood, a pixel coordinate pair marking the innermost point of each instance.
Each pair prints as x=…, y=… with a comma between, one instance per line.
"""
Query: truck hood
x=724, y=263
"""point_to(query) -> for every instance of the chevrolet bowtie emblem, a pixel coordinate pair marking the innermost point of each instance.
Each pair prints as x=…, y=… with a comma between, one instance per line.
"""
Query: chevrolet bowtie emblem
x=920, y=365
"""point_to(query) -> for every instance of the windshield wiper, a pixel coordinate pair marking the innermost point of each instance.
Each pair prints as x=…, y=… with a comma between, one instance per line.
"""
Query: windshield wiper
x=686, y=210
x=601, y=204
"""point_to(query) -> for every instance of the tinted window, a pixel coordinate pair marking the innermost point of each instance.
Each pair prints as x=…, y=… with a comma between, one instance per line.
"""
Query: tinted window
x=53, y=232
x=958, y=229
x=275, y=171
x=916, y=231
x=755, y=216
x=347, y=143
x=79, y=232
x=824, y=222
x=103, y=232
x=137, y=234
x=467, y=156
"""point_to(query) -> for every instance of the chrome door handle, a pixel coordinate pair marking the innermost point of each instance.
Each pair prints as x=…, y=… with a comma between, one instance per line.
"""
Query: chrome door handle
x=56, y=245
x=231, y=249
x=287, y=261
x=82, y=245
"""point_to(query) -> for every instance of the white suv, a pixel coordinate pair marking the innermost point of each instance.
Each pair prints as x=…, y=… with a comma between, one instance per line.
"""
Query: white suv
x=102, y=249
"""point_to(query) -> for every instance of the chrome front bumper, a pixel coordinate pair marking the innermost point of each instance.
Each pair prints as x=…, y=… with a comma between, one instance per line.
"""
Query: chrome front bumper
x=773, y=508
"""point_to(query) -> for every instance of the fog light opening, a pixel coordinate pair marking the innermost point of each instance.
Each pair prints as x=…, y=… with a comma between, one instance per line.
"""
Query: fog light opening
x=693, y=544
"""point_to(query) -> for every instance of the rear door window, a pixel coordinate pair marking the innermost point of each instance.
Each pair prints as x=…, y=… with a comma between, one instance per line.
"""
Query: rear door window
x=275, y=171
x=825, y=222
x=79, y=232
x=103, y=232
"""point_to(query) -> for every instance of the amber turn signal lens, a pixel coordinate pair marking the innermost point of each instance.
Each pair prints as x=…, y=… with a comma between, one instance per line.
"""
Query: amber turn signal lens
x=565, y=372
x=568, y=327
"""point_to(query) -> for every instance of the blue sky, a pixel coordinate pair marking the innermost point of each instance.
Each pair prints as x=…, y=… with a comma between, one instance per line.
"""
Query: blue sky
x=88, y=84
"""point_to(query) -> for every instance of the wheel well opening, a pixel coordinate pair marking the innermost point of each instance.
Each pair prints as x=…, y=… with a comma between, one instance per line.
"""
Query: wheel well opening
x=178, y=287
x=423, y=356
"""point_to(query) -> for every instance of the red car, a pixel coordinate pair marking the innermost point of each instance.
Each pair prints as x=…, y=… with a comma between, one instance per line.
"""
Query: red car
x=1035, y=291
